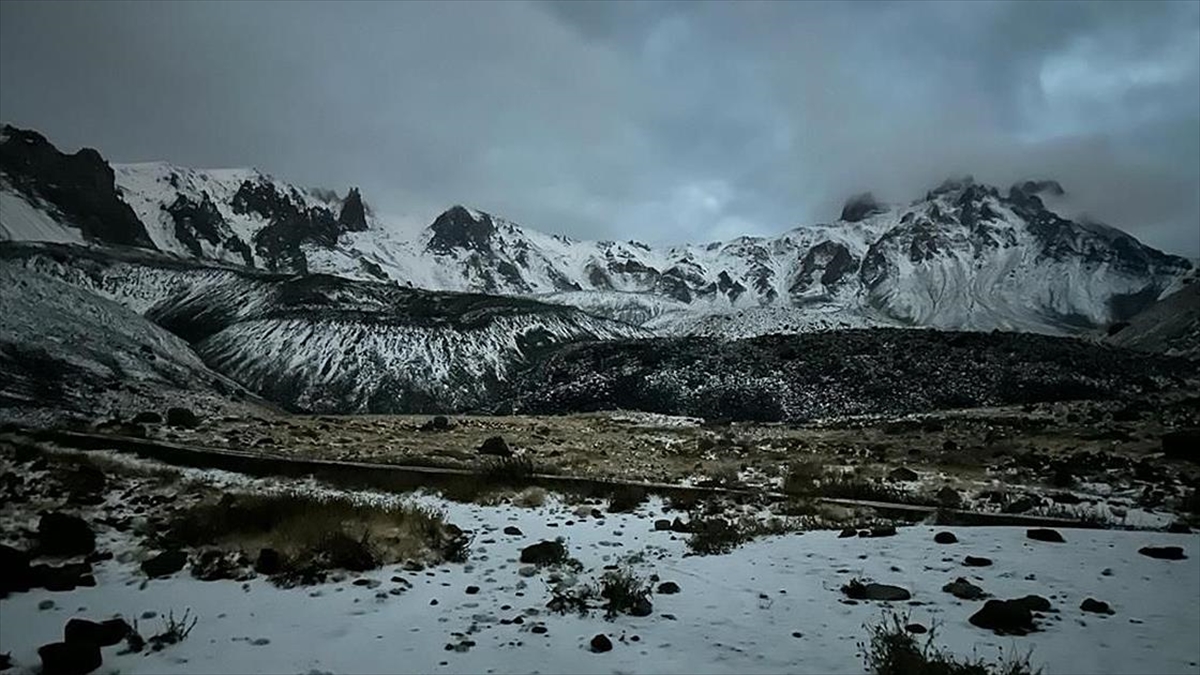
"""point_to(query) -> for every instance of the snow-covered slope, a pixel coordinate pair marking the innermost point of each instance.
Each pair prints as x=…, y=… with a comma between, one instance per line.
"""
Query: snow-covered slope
x=66, y=350
x=964, y=256
x=324, y=343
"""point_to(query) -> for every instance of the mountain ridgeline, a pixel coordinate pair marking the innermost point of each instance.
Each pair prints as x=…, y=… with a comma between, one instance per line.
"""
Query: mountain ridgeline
x=963, y=256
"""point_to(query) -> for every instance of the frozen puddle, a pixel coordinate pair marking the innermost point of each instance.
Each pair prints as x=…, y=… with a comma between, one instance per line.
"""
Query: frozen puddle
x=736, y=613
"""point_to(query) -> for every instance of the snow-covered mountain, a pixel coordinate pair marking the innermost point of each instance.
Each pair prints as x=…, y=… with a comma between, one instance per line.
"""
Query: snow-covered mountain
x=964, y=256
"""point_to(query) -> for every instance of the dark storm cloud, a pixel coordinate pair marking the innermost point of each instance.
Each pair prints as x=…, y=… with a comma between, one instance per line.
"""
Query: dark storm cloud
x=657, y=121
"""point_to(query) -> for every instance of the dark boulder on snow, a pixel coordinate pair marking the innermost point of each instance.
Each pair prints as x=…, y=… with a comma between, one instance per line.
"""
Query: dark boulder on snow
x=165, y=563
x=61, y=578
x=182, y=417
x=1004, y=617
x=65, y=535
x=1163, y=552
x=1045, y=534
x=544, y=553
x=495, y=446
x=667, y=588
x=1034, y=603
x=1096, y=607
x=856, y=590
x=103, y=633
x=964, y=590
x=69, y=658
x=945, y=538
x=883, y=531
x=847, y=533
x=600, y=644
x=972, y=561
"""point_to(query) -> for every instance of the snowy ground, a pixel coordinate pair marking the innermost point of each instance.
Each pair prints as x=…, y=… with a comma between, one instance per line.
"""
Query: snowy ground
x=770, y=606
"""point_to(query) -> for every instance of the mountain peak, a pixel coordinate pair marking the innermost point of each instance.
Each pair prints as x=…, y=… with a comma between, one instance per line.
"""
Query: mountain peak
x=861, y=206
x=460, y=227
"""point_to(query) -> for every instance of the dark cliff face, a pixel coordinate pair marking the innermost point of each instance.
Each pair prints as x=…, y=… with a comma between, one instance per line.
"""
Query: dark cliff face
x=831, y=260
x=353, y=217
x=290, y=224
x=79, y=186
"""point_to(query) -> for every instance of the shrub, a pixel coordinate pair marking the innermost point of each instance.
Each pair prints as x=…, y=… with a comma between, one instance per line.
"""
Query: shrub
x=892, y=650
x=625, y=592
x=514, y=470
x=713, y=536
x=530, y=498
x=802, y=477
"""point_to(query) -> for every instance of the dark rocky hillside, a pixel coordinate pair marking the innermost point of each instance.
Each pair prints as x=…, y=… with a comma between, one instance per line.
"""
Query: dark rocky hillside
x=800, y=377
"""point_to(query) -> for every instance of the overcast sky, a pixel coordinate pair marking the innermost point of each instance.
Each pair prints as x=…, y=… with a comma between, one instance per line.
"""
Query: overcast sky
x=661, y=122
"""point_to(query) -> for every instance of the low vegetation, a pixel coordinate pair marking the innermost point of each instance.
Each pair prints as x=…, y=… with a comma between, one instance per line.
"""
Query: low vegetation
x=312, y=535
x=892, y=649
x=716, y=536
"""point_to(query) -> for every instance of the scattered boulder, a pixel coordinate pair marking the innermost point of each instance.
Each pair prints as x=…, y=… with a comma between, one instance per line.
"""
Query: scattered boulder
x=69, y=658
x=472, y=590
x=513, y=531
x=949, y=498
x=883, y=531
x=1004, y=617
x=14, y=571
x=945, y=538
x=268, y=562
x=1034, y=603
x=438, y=423
x=165, y=563
x=848, y=532
x=544, y=553
x=641, y=607
x=1163, y=552
x=662, y=525
x=972, y=561
x=183, y=418
x=496, y=446
x=667, y=588
x=65, y=535
x=856, y=590
x=916, y=629
x=903, y=474
x=964, y=590
x=1096, y=606
x=1045, y=534
x=1182, y=444
x=62, y=578
x=147, y=417
x=104, y=633
x=600, y=644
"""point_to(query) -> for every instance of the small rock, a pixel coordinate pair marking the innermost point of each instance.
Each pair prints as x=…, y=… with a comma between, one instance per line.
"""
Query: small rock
x=916, y=629
x=1096, y=606
x=857, y=590
x=945, y=538
x=538, y=629
x=472, y=590
x=438, y=423
x=45, y=605
x=513, y=530
x=972, y=561
x=883, y=531
x=1045, y=534
x=164, y=564
x=528, y=571
x=949, y=498
x=903, y=474
x=269, y=562
x=964, y=590
x=182, y=417
x=496, y=446
x=847, y=533
x=641, y=607
x=600, y=644
x=1163, y=552
x=662, y=524
x=667, y=588
x=543, y=553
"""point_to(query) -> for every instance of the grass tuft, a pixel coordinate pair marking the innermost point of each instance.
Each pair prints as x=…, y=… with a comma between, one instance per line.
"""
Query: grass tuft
x=893, y=650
